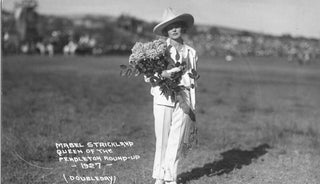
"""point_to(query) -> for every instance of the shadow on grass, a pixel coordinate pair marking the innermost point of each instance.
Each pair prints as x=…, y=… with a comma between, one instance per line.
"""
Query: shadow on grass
x=231, y=159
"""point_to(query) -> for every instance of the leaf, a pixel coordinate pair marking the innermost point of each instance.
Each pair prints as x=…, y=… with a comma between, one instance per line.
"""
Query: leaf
x=122, y=73
x=123, y=67
x=194, y=72
x=136, y=72
x=197, y=77
x=154, y=80
x=191, y=75
x=129, y=72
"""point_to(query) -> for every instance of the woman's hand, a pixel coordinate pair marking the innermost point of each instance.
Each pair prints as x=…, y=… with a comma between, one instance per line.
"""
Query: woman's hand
x=166, y=74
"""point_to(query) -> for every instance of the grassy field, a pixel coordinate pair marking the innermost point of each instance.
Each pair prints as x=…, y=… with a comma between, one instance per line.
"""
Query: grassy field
x=258, y=120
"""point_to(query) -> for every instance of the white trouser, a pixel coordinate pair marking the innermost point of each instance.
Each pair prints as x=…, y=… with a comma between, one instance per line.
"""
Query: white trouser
x=169, y=129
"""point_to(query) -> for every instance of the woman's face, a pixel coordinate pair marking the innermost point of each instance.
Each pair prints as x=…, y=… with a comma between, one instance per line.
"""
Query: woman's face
x=174, y=30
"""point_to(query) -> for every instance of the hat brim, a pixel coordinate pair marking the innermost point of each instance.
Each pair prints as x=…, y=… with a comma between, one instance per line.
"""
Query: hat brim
x=187, y=18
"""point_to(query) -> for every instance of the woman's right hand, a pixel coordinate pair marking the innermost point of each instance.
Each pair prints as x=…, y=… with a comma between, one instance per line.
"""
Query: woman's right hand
x=166, y=74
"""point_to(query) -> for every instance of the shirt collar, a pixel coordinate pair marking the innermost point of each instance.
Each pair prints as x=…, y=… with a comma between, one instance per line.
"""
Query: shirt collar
x=169, y=44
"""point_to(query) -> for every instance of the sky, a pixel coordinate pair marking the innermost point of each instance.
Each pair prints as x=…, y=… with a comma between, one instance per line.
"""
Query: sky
x=277, y=17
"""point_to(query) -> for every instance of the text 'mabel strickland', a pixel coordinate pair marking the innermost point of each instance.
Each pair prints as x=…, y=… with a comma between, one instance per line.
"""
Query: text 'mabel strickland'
x=93, y=155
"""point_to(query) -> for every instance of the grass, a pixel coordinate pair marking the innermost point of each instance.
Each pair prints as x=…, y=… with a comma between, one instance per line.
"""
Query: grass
x=258, y=120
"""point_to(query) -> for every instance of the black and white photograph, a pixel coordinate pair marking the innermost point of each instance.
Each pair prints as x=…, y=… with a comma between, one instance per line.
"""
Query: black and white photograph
x=160, y=92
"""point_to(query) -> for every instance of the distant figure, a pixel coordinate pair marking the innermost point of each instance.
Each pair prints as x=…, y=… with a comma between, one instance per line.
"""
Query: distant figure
x=228, y=58
x=303, y=57
x=6, y=37
x=41, y=48
x=50, y=49
x=10, y=43
x=97, y=51
x=84, y=40
x=70, y=48
x=291, y=54
x=24, y=48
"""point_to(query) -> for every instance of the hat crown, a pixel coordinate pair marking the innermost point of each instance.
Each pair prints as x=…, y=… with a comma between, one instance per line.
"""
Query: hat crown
x=169, y=13
x=170, y=16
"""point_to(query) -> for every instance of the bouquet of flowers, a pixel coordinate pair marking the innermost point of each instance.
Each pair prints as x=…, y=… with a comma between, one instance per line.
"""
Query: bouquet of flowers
x=150, y=59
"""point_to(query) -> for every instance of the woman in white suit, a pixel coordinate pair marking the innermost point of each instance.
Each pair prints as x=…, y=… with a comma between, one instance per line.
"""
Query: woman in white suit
x=172, y=122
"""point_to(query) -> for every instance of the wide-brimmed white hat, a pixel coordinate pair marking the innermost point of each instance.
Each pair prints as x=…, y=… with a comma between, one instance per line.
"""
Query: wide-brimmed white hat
x=169, y=17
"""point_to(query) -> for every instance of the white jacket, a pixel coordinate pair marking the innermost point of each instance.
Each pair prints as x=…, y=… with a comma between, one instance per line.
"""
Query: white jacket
x=192, y=59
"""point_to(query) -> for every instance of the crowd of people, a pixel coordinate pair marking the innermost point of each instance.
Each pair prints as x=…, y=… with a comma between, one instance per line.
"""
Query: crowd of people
x=301, y=50
x=225, y=45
